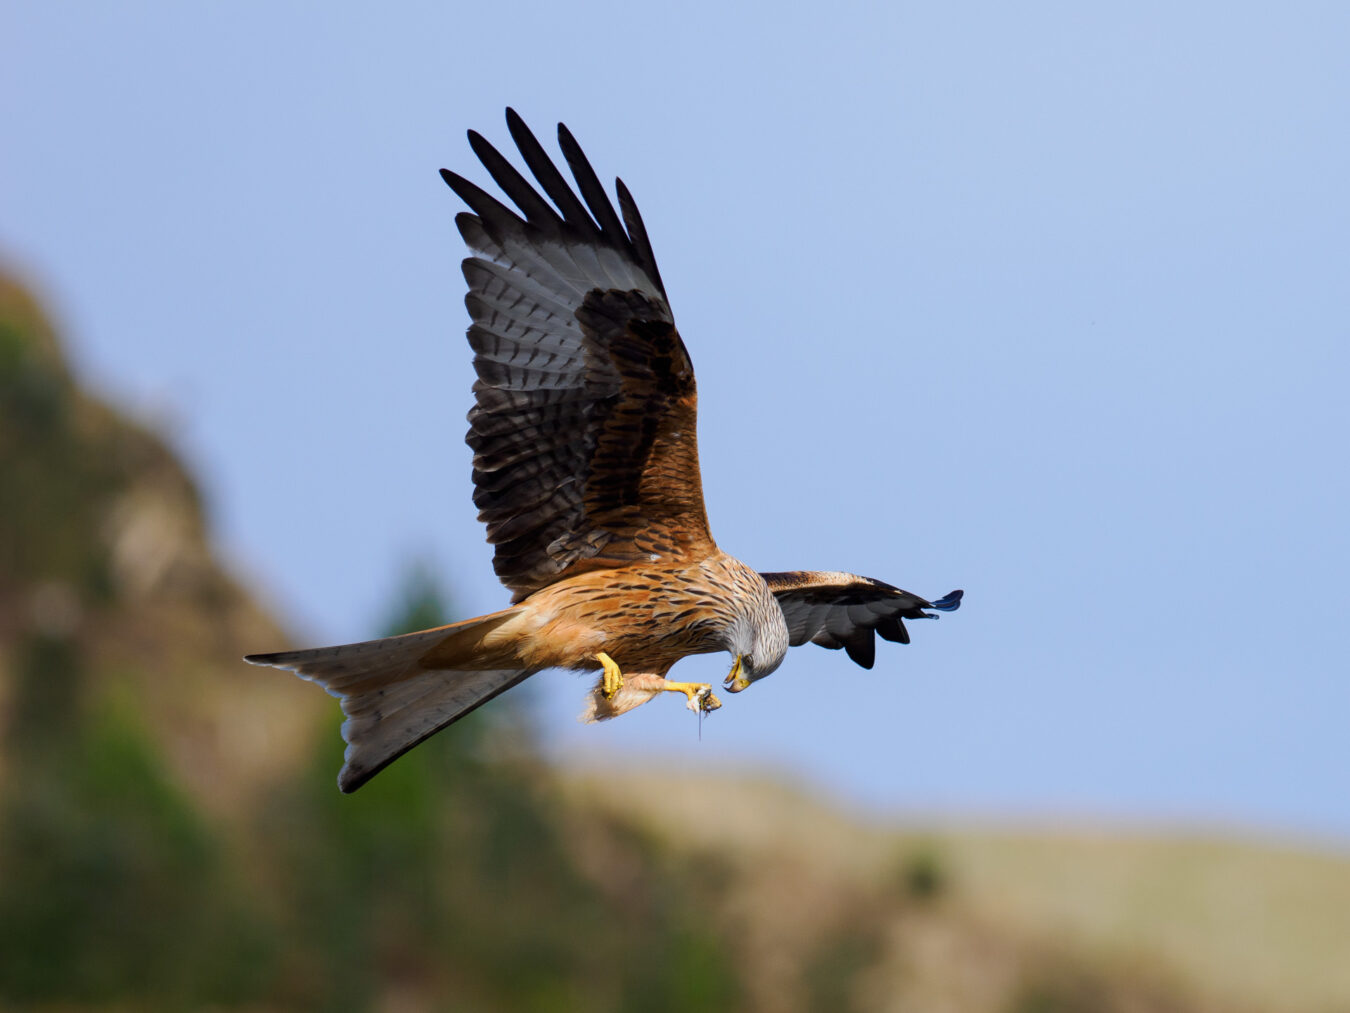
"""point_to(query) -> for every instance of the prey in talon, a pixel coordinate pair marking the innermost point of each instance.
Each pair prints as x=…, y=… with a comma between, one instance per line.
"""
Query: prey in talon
x=702, y=701
x=585, y=471
x=616, y=692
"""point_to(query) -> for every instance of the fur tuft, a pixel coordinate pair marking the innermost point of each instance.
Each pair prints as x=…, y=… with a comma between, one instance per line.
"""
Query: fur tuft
x=637, y=689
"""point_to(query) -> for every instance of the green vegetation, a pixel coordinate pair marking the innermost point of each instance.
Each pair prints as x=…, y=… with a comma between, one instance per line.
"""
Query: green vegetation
x=111, y=885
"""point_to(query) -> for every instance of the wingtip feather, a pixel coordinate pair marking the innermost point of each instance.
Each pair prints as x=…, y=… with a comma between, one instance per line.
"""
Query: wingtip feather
x=949, y=602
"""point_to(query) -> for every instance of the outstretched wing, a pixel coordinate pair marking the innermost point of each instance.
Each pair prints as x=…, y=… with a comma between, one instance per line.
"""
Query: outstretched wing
x=838, y=610
x=583, y=431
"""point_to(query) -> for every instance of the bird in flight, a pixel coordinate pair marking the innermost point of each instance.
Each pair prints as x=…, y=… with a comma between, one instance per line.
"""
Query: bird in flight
x=586, y=474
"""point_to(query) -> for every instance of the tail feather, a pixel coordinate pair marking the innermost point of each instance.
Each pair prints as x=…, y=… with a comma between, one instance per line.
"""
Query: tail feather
x=384, y=724
x=399, y=691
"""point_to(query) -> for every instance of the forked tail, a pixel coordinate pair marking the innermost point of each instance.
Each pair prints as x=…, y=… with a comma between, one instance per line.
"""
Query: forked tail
x=399, y=691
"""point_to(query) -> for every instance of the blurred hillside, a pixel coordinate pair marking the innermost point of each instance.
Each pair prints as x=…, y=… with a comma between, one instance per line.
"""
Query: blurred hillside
x=171, y=836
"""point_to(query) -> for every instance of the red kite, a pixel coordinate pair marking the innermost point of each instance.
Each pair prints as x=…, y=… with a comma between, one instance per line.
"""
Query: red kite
x=586, y=473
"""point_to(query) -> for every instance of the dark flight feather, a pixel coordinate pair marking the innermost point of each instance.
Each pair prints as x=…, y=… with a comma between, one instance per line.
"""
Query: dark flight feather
x=842, y=610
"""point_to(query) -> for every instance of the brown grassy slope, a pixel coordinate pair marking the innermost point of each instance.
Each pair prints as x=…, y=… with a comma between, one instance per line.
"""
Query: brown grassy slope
x=1158, y=920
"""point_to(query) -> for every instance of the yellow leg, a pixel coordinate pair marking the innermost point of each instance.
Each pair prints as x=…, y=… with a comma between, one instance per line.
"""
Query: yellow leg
x=613, y=677
x=699, y=693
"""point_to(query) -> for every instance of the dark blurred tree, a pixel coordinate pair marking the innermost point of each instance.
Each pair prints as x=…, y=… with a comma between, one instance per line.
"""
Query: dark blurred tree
x=112, y=889
x=922, y=873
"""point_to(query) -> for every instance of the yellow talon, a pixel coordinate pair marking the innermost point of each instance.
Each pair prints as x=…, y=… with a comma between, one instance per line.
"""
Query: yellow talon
x=700, y=694
x=613, y=681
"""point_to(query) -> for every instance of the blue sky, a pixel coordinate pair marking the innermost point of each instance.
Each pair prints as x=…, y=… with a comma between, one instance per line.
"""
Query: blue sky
x=1046, y=301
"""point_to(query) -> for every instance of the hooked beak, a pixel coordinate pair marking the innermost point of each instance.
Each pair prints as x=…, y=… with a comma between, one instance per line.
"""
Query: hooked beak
x=735, y=681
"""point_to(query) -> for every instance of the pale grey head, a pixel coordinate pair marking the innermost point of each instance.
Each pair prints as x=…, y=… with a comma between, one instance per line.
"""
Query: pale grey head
x=757, y=638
